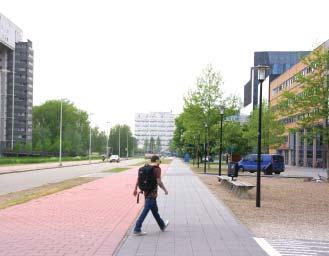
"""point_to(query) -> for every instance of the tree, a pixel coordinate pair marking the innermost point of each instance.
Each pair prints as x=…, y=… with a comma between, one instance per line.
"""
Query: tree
x=46, y=120
x=310, y=107
x=152, y=145
x=146, y=145
x=121, y=131
x=201, y=106
x=272, y=130
x=158, y=145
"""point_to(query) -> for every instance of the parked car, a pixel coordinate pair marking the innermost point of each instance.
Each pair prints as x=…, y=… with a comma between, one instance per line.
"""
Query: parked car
x=114, y=158
x=269, y=163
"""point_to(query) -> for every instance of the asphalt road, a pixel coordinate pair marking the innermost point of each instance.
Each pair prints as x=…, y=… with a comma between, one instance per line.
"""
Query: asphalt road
x=19, y=181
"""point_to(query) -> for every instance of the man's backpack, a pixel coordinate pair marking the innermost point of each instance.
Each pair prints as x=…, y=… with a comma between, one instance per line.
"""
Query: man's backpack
x=147, y=178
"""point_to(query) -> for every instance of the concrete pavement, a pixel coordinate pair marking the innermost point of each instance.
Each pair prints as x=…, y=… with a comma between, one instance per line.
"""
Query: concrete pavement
x=200, y=223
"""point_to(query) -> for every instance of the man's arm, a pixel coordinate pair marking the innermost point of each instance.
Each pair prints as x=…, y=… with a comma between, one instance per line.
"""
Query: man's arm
x=161, y=185
x=135, y=190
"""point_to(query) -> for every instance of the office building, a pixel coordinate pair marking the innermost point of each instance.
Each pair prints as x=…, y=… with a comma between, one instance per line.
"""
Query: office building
x=296, y=149
x=16, y=86
x=279, y=62
x=155, y=124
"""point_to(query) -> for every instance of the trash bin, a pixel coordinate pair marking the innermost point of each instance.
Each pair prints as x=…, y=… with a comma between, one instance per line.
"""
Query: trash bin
x=233, y=170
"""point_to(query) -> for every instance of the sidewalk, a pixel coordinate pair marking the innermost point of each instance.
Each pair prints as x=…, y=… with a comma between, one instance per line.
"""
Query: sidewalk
x=303, y=171
x=199, y=223
x=90, y=219
x=32, y=167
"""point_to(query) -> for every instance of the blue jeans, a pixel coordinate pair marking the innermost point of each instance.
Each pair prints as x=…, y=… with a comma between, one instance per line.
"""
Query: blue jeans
x=150, y=204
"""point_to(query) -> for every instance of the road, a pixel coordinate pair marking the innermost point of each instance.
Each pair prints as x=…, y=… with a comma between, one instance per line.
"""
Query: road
x=24, y=180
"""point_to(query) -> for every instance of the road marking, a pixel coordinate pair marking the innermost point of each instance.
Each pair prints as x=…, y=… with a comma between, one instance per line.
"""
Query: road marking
x=300, y=247
x=267, y=247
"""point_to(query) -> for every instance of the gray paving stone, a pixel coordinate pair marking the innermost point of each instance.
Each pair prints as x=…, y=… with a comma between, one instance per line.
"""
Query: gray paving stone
x=200, y=224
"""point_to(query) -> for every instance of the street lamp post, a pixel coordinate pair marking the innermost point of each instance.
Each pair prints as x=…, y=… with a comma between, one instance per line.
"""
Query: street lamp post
x=198, y=150
x=127, y=145
x=60, y=134
x=119, y=142
x=205, y=148
x=261, y=77
x=221, y=111
x=90, y=140
x=107, y=141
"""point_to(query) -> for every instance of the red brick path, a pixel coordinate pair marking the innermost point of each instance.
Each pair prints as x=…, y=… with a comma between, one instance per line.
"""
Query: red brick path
x=90, y=219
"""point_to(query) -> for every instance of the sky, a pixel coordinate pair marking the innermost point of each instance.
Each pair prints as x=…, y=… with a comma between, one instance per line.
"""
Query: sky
x=116, y=58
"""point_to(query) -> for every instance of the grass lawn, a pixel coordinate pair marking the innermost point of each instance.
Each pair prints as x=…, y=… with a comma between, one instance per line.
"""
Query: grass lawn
x=166, y=161
x=163, y=161
x=118, y=169
x=34, y=160
x=213, y=169
x=23, y=196
x=139, y=163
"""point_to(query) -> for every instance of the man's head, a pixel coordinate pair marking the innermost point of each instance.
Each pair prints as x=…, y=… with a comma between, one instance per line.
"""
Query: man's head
x=155, y=160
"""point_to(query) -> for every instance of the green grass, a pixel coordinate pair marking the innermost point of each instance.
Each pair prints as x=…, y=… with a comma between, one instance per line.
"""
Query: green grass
x=23, y=196
x=213, y=169
x=166, y=161
x=34, y=160
x=118, y=169
x=139, y=163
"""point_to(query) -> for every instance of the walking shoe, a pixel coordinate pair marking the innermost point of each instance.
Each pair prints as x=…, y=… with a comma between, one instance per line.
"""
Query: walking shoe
x=139, y=233
x=166, y=222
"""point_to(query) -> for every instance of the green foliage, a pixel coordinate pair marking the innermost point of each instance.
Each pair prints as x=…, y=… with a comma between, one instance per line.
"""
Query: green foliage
x=152, y=145
x=310, y=108
x=76, y=128
x=158, y=145
x=201, y=106
x=272, y=130
x=119, y=133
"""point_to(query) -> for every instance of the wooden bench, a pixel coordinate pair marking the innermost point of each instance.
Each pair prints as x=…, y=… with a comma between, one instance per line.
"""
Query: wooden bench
x=239, y=188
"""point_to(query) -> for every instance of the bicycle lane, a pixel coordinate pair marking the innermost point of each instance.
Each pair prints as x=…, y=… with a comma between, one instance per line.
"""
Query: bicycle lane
x=90, y=219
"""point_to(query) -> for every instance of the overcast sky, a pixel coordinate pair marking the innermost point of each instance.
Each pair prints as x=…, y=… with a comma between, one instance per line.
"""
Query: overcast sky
x=116, y=58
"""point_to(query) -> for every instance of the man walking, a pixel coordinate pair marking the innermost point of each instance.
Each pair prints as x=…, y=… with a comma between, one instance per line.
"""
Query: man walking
x=149, y=178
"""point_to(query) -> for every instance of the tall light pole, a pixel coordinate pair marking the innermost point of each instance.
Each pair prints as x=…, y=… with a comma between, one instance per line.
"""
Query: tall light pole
x=60, y=134
x=119, y=141
x=221, y=112
x=107, y=141
x=261, y=77
x=90, y=139
x=127, y=144
x=205, y=148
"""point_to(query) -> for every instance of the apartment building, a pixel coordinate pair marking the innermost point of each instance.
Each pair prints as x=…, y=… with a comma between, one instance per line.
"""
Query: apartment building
x=16, y=86
x=155, y=124
x=297, y=150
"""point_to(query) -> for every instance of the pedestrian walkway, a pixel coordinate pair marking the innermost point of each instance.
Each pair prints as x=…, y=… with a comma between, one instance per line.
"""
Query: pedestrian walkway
x=200, y=224
x=304, y=171
x=41, y=166
x=90, y=219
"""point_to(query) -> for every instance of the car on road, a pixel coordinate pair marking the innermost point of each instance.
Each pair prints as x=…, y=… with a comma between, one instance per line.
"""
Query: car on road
x=114, y=158
x=270, y=163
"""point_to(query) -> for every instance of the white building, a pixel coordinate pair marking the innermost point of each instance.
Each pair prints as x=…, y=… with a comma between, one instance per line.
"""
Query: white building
x=155, y=124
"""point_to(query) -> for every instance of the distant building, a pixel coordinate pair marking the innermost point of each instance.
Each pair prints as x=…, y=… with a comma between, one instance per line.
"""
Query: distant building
x=16, y=86
x=238, y=118
x=278, y=62
x=155, y=124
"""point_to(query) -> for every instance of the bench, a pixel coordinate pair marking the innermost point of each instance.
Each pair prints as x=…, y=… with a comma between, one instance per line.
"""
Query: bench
x=239, y=188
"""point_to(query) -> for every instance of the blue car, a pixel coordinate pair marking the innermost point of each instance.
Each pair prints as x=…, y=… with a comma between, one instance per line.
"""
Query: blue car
x=269, y=163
